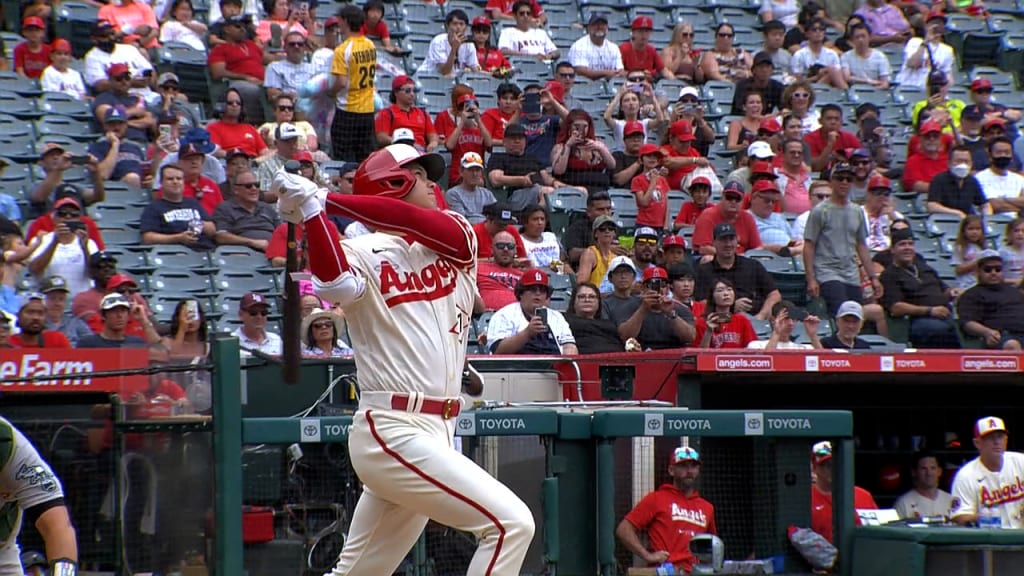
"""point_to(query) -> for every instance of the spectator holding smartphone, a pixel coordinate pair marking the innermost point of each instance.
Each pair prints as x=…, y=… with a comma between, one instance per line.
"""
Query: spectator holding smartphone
x=65, y=251
x=719, y=327
x=527, y=326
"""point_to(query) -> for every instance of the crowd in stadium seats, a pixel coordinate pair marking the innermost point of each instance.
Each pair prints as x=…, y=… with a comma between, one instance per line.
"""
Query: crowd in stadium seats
x=722, y=175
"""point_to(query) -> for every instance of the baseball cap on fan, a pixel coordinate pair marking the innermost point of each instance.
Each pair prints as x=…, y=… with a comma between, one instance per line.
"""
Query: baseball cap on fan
x=114, y=300
x=403, y=136
x=685, y=454
x=252, y=300
x=821, y=452
x=988, y=425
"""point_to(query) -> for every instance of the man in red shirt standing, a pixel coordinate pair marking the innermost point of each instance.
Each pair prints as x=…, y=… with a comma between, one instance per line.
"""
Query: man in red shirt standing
x=829, y=140
x=671, y=516
x=638, y=54
x=403, y=113
x=239, y=60
x=32, y=322
x=928, y=162
x=681, y=157
x=821, y=492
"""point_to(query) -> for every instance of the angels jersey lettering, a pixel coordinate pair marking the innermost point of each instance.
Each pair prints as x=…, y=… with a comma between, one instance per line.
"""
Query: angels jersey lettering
x=976, y=487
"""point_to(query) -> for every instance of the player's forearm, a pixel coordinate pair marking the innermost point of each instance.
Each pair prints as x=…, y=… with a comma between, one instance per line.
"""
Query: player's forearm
x=627, y=534
x=322, y=238
x=55, y=527
x=442, y=233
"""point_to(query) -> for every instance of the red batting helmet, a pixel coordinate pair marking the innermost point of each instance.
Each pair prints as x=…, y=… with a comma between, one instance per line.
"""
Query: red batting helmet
x=383, y=173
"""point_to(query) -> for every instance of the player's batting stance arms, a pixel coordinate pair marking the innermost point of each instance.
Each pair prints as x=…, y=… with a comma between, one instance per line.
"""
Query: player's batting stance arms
x=407, y=291
x=30, y=492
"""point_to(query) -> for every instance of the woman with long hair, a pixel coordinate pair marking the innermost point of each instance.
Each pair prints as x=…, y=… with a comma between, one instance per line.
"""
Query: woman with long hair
x=542, y=247
x=460, y=129
x=625, y=107
x=182, y=27
x=720, y=326
x=594, y=261
x=288, y=19
x=579, y=158
x=798, y=100
x=725, y=61
x=321, y=335
x=284, y=111
x=681, y=57
x=743, y=131
x=231, y=131
x=188, y=337
x=489, y=57
x=594, y=334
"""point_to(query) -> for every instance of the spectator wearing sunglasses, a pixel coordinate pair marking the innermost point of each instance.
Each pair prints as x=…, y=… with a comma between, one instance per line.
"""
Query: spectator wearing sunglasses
x=525, y=38
x=65, y=251
x=174, y=104
x=140, y=121
x=497, y=279
x=141, y=322
x=993, y=310
x=252, y=335
x=244, y=220
x=287, y=75
x=403, y=113
x=116, y=311
x=834, y=238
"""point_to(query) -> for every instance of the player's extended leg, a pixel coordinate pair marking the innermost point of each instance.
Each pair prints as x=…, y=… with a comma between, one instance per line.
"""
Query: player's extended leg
x=406, y=459
x=379, y=537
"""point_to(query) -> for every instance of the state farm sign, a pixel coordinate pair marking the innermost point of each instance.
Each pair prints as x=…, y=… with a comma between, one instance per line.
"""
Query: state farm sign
x=30, y=370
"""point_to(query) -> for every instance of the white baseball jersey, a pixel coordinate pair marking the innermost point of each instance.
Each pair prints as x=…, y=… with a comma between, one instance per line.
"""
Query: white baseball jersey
x=913, y=504
x=510, y=320
x=410, y=326
x=26, y=480
x=975, y=486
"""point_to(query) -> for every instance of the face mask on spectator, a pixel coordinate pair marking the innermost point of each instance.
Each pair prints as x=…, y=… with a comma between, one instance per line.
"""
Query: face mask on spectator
x=960, y=170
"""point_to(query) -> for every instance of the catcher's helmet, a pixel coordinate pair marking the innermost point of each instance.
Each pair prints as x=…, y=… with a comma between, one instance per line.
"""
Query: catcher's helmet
x=383, y=173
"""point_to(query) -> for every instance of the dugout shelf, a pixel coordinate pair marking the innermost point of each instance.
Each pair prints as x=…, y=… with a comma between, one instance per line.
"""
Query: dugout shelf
x=937, y=551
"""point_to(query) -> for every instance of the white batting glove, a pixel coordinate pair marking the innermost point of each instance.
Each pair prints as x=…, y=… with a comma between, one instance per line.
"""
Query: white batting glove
x=299, y=198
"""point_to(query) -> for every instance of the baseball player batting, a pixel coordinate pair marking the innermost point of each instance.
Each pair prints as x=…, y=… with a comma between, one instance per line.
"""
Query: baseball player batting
x=30, y=491
x=407, y=291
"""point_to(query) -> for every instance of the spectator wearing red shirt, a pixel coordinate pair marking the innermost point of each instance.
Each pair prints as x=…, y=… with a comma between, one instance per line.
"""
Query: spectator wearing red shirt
x=233, y=131
x=681, y=157
x=651, y=189
x=32, y=56
x=671, y=516
x=720, y=326
x=497, y=218
x=239, y=60
x=375, y=27
x=140, y=322
x=830, y=140
x=507, y=112
x=502, y=10
x=700, y=192
x=723, y=219
x=102, y=268
x=461, y=129
x=32, y=322
x=403, y=113
x=191, y=157
x=488, y=56
x=821, y=492
x=496, y=281
x=928, y=162
x=44, y=223
x=639, y=54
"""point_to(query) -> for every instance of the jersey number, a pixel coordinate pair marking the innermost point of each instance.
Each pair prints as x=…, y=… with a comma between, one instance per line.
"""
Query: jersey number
x=366, y=76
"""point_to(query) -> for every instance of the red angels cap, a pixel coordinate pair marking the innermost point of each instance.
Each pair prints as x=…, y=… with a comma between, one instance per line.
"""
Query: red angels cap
x=821, y=452
x=685, y=454
x=331, y=22
x=762, y=167
x=700, y=180
x=302, y=156
x=988, y=425
x=655, y=273
x=643, y=23
x=993, y=122
x=930, y=127
x=632, y=127
x=60, y=45
x=556, y=90
x=673, y=240
x=765, y=186
x=33, y=22
x=936, y=14
x=466, y=98
x=770, y=124
x=682, y=130
x=481, y=22
x=252, y=299
x=400, y=81
x=533, y=277
x=879, y=181
x=118, y=69
x=647, y=149
x=118, y=280
x=981, y=84
x=67, y=201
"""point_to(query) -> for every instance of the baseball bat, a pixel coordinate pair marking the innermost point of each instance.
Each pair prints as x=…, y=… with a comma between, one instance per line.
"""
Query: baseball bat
x=292, y=357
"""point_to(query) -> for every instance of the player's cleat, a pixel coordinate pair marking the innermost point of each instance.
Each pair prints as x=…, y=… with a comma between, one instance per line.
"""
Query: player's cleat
x=298, y=198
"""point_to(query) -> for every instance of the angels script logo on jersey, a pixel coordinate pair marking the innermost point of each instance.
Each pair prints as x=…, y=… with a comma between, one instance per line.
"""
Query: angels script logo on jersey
x=696, y=517
x=432, y=282
x=1004, y=494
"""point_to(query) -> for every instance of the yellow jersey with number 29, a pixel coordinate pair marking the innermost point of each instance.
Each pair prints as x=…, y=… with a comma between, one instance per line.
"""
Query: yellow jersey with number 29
x=356, y=58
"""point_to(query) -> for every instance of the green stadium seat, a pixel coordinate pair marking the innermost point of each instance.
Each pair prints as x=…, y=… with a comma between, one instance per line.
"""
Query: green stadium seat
x=12, y=82
x=235, y=282
x=178, y=259
x=54, y=125
x=121, y=237
x=59, y=104
x=75, y=21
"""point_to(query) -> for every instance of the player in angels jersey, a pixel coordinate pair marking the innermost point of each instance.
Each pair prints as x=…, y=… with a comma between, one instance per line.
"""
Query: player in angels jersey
x=993, y=482
x=671, y=516
x=407, y=291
